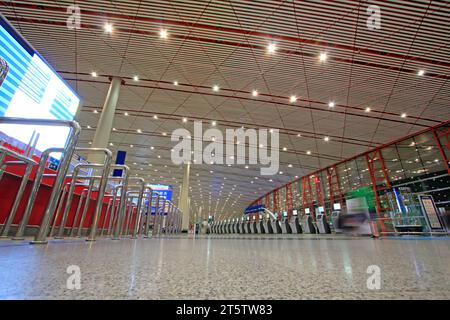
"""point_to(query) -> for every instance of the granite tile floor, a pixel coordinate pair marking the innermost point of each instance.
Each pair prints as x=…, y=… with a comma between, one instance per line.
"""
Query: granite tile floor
x=227, y=267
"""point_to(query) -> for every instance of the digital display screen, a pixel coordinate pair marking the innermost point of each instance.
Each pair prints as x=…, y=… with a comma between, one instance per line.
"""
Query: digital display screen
x=294, y=212
x=29, y=88
x=284, y=214
x=306, y=210
x=337, y=206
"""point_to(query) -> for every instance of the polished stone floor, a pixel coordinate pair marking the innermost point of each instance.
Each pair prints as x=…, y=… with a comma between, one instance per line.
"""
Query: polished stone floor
x=227, y=267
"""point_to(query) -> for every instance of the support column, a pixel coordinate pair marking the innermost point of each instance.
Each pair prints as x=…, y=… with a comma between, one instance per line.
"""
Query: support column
x=105, y=123
x=184, y=197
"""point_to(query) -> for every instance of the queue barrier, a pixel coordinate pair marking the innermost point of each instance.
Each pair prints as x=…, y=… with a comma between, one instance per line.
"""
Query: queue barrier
x=129, y=201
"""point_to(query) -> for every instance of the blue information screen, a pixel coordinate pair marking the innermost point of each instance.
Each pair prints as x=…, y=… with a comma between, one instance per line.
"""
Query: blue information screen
x=29, y=88
x=163, y=191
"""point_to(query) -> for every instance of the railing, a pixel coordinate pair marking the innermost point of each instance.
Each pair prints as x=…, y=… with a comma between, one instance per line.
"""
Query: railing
x=128, y=204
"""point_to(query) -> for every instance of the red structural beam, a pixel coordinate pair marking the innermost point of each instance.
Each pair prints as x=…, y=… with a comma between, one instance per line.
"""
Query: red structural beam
x=253, y=33
x=443, y=124
x=235, y=44
x=440, y=147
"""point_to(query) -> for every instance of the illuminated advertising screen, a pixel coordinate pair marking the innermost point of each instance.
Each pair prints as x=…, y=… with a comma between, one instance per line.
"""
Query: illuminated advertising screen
x=164, y=191
x=29, y=88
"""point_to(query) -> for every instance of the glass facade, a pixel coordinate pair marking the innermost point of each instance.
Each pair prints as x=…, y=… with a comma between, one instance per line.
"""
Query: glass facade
x=394, y=179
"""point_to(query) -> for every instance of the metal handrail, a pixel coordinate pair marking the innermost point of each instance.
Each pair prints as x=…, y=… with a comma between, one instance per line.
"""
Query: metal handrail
x=64, y=165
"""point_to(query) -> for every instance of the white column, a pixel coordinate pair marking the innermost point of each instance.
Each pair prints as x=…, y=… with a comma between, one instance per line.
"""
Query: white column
x=105, y=123
x=184, y=197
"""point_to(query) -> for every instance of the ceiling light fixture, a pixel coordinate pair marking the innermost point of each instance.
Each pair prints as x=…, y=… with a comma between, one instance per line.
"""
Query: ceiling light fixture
x=163, y=34
x=271, y=48
x=108, y=28
x=323, y=57
x=293, y=99
x=331, y=104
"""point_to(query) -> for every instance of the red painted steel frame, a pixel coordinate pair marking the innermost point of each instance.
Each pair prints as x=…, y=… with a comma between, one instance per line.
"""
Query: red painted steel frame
x=276, y=202
x=437, y=137
x=289, y=199
x=334, y=180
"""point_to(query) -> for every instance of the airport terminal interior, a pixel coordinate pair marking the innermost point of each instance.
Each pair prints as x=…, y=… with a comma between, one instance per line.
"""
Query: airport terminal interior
x=224, y=149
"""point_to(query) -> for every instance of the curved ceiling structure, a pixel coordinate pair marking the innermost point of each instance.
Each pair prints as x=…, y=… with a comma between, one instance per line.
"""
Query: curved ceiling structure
x=355, y=87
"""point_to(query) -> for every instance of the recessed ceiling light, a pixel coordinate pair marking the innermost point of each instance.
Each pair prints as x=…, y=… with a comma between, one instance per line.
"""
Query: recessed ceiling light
x=215, y=88
x=214, y=123
x=292, y=99
x=90, y=142
x=152, y=147
x=246, y=167
x=368, y=109
x=111, y=144
x=403, y=115
x=94, y=74
x=421, y=72
x=159, y=157
x=271, y=48
x=164, y=134
x=185, y=120
x=326, y=138
x=290, y=165
x=131, y=146
x=331, y=104
x=126, y=114
x=163, y=34
x=284, y=149
x=89, y=127
x=95, y=111
x=114, y=129
x=136, y=78
x=175, y=83
x=255, y=93
x=308, y=152
x=323, y=57
x=108, y=27
x=139, y=131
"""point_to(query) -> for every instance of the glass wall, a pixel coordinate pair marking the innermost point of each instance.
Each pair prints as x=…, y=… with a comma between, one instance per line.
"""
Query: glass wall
x=394, y=180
